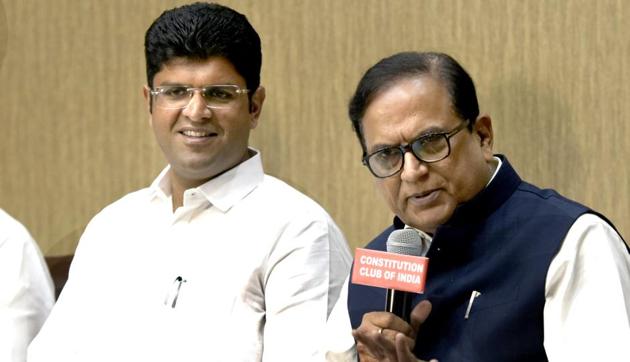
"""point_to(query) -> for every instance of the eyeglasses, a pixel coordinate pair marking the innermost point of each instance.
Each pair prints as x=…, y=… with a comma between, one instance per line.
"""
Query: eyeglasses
x=179, y=96
x=427, y=148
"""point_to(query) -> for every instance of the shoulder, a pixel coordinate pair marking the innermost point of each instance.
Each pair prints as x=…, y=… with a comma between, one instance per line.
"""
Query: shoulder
x=547, y=201
x=290, y=218
x=285, y=199
x=108, y=228
x=21, y=257
x=592, y=231
x=590, y=246
x=13, y=232
x=126, y=206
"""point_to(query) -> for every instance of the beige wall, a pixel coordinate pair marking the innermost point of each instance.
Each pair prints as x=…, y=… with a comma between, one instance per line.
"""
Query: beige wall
x=75, y=136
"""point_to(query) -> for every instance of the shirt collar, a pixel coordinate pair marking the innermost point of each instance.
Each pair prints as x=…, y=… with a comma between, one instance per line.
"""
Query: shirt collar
x=496, y=170
x=161, y=186
x=223, y=191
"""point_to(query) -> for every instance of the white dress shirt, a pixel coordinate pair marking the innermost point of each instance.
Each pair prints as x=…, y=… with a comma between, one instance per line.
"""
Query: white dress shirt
x=26, y=289
x=587, y=298
x=248, y=269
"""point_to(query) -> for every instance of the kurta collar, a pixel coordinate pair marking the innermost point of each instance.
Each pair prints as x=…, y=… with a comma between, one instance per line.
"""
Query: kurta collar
x=223, y=191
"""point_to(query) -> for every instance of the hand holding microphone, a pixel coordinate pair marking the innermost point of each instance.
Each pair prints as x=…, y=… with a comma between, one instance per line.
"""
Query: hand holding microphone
x=383, y=336
x=390, y=335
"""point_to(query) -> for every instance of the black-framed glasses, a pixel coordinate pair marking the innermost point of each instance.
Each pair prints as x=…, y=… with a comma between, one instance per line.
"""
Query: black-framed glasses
x=179, y=96
x=428, y=148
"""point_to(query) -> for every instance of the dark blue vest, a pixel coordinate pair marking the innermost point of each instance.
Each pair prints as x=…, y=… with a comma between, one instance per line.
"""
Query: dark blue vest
x=501, y=244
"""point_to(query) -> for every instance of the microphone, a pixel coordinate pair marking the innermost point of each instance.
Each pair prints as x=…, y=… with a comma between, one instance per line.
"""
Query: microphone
x=406, y=242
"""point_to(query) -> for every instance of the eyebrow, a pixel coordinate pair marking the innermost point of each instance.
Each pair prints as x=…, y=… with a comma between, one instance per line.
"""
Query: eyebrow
x=173, y=84
x=169, y=84
x=431, y=131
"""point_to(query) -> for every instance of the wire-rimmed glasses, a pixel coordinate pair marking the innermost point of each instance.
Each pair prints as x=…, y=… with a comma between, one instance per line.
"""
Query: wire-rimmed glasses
x=179, y=96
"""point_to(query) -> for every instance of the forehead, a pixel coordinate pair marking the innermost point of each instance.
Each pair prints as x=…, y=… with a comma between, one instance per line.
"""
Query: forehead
x=192, y=71
x=405, y=109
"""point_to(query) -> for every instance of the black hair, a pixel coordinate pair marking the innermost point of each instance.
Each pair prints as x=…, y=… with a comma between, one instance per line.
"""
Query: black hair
x=200, y=31
x=406, y=65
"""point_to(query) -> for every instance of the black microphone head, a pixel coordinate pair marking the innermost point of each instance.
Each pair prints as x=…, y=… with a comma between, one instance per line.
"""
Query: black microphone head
x=404, y=241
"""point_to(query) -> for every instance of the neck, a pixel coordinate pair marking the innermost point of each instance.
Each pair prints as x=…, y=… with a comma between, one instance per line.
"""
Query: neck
x=179, y=185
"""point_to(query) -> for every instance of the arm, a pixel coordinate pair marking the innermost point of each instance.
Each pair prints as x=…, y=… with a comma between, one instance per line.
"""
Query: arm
x=305, y=274
x=58, y=331
x=338, y=342
x=26, y=292
x=587, y=308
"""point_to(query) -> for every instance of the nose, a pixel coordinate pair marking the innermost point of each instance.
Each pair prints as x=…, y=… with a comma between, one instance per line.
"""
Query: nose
x=413, y=169
x=197, y=109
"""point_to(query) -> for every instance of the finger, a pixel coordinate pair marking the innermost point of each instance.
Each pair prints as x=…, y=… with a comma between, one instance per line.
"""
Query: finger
x=375, y=320
x=404, y=352
x=379, y=344
x=368, y=345
x=387, y=344
x=419, y=314
x=365, y=355
x=391, y=335
x=376, y=335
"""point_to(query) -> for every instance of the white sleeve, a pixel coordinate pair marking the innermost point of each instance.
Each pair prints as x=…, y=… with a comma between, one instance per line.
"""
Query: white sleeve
x=26, y=290
x=587, y=308
x=306, y=274
x=338, y=342
x=62, y=327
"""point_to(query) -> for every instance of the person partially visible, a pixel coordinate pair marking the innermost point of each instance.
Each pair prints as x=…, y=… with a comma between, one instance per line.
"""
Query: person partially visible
x=516, y=273
x=215, y=260
x=26, y=289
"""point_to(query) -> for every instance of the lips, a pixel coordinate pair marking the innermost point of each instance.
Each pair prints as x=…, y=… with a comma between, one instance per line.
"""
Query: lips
x=423, y=198
x=197, y=133
x=197, y=137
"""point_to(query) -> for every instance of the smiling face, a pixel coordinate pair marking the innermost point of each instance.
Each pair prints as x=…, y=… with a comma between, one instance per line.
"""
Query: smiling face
x=199, y=142
x=425, y=195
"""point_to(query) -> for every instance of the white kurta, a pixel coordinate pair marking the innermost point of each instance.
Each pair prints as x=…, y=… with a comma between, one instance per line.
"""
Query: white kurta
x=26, y=289
x=248, y=269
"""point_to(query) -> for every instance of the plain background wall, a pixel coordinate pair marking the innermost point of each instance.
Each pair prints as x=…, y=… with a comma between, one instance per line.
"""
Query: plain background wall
x=75, y=133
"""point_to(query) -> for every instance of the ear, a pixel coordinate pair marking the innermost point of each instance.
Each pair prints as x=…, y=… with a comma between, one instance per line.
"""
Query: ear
x=146, y=92
x=255, y=106
x=482, y=129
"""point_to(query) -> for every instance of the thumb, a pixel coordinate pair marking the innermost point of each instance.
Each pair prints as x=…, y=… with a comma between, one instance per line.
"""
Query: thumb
x=419, y=314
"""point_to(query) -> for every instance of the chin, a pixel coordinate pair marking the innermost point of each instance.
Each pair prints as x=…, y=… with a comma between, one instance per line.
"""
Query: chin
x=427, y=221
x=193, y=172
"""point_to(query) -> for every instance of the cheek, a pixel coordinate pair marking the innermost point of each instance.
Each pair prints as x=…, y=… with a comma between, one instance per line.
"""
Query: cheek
x=159, y=129
x=389, y=189
x=163, y=118
x=464, y=182
x=229, y=120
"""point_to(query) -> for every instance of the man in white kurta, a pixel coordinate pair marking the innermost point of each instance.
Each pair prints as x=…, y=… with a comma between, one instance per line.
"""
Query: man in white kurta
x=215, y=261
x=26, y=289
